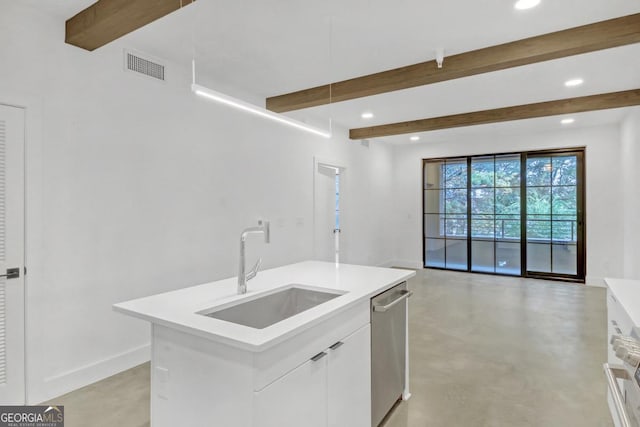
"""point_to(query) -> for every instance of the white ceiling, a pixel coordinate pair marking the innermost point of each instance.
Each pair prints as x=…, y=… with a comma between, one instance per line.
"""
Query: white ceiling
x=270, y=47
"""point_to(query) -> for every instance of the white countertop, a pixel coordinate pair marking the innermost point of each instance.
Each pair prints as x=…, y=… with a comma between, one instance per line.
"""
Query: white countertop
x=178, y=309
x=627, y=292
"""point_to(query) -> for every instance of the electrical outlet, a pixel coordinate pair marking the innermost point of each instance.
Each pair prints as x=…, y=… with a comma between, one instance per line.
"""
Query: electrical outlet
x=162, y=382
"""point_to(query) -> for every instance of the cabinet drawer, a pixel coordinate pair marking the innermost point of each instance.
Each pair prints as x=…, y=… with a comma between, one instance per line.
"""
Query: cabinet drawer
x=616, y=313
x=349, y=384
x=275, y=362
x=297, y=399
x=618, y=322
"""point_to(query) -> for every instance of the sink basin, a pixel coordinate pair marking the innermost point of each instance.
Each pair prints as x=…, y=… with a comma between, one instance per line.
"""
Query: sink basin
x=266, y=310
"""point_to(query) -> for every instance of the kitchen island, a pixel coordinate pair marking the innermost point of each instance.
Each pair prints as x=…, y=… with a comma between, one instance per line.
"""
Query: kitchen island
x=312, y=368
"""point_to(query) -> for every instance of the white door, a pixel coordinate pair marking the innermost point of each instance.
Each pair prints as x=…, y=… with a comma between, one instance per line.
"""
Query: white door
x=350, y=380
x=327, y=214
x=297, y=399
x=11, y=255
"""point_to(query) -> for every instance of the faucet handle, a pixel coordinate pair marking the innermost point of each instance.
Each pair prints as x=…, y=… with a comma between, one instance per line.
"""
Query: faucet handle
x=254, y=270
x=265, y=230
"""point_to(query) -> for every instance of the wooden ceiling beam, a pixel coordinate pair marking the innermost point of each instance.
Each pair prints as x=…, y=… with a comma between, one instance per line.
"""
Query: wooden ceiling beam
x=582, y=104
x=587, y=38
x=108, y=20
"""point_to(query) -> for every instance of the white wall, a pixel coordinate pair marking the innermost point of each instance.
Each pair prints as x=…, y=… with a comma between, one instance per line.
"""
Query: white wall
x=138, y=187
x=603, y=201
x=630, y=160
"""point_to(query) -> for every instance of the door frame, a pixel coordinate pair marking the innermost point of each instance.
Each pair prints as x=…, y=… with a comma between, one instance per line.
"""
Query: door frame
x=332, y=164
x=581, y=199
x=24, y=248
x=581, y=275
x=33, y=147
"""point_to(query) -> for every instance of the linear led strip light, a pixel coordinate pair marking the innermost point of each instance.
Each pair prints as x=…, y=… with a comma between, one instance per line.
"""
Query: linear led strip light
x=250, y=108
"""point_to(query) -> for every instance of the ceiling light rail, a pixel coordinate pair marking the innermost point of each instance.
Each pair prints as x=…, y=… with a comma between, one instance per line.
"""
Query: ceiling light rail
x=241, y=105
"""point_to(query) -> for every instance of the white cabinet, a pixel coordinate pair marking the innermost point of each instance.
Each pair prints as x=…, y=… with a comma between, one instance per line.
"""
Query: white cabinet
x=196, y=379
x=618, y=322
x=334, y=390
x=297, y=399
x=349, y=381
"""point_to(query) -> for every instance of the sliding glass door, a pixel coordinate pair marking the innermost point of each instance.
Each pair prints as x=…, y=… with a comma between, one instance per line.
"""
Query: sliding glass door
x=445, y=214
x=510, y=214
x=495, y=214
x=554, y=224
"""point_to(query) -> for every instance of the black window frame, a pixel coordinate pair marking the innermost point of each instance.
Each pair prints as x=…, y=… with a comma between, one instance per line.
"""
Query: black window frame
x=581, y=267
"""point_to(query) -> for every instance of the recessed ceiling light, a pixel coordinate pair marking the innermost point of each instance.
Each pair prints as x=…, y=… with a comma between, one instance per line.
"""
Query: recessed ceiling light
x=573, y=82
x=367, y=115
x=415, y=138
x=567, y=121
x=526, y=4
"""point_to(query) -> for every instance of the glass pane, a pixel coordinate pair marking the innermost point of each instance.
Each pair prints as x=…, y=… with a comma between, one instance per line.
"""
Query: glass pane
x=433, y=201
x=538, y=200
x=538, y=257
x=434, y=253
x=508, y=171
x=564, y=230
x=565, y=259
x=455, y=173
x=433, y=175
x=482, y=200
x=481, y=227
x=456, y=226
x=565, y=200
x=538, y=171
x=508, y=201
x=564, y=170
x=508, y=258
x=456, y=201
x=434, y=225
x=482, y=256
x=482, y=172
x=456, y=254
x=508, y=227
x=538, y=230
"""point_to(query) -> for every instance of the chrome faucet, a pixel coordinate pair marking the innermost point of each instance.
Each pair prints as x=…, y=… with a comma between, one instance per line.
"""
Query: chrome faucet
x=243, y=278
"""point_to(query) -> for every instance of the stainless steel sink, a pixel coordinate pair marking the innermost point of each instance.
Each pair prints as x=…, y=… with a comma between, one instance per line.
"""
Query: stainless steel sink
x=266, y=310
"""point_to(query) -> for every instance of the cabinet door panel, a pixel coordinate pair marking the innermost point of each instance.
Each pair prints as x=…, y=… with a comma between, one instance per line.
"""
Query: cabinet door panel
x=349, y=383
x=297, y=399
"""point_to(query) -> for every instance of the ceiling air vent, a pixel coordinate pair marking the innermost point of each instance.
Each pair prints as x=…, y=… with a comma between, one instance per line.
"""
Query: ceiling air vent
x=136, y=63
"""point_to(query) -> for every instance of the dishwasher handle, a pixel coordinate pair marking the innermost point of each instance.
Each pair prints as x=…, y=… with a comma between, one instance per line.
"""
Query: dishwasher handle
x=613, y=372
x=404, y=294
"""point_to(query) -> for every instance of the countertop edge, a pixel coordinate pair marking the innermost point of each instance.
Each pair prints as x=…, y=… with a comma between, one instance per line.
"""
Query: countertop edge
x=259, y=346
x=620, y=288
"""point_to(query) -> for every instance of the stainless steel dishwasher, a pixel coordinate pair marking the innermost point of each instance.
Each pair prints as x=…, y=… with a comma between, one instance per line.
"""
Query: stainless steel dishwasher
x=388, y=350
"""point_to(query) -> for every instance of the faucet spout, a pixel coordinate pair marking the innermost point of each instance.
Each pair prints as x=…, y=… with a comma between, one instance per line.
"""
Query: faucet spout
x=243, y=277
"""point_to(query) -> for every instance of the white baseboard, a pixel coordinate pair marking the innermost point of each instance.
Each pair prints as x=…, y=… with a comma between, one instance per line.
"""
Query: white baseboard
x=59, y=384
x=403, y=263
x=597, y=282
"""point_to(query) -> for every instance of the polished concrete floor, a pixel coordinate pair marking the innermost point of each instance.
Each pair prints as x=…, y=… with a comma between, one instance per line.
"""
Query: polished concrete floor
x=495, y=351
x=119, y=401
x=485, y=351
